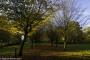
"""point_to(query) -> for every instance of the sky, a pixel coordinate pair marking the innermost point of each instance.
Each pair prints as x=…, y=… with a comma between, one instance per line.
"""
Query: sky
x=86, y=5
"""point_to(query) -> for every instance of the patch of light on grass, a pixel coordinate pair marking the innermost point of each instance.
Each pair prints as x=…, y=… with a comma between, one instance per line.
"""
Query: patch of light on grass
x=85, y=52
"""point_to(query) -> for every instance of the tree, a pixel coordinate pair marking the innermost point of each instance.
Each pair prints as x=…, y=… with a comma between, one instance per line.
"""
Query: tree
x=4, y=23
x=36, y=37
x=86, y=34
x=69, y=11
x=74, y=32
x=8, y=27
x=5, y=37
x=53, y=35
x=26, y=14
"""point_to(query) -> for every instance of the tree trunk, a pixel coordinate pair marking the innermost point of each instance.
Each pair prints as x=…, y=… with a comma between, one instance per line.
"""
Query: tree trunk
x=56, y=43
x=64, y=44
x=52, y=43
x=22, y=44
x=32, y=44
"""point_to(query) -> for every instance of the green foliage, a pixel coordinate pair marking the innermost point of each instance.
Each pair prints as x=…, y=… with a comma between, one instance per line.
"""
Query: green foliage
x=5, y=37
x=53, y=35
x=73, y=33
x=4, y=24
x=86, y=34
x=36, y=36
x=27, y=14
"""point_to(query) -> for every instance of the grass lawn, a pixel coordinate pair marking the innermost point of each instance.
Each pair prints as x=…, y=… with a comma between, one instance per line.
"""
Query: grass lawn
x=72, y=51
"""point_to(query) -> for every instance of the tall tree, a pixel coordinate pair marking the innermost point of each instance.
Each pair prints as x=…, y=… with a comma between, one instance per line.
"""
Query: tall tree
x=86, y=34
x=53, y=35
x=26, y=14
x=74, y=32
x=69, y=11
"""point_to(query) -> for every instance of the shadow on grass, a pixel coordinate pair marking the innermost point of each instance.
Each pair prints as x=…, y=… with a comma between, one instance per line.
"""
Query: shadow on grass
x=54, y=58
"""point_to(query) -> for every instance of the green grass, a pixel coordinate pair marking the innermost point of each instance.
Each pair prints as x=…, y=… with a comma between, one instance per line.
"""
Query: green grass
x=79, y=46
x=72, y=50
x=8, y=50
x=11, y=49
